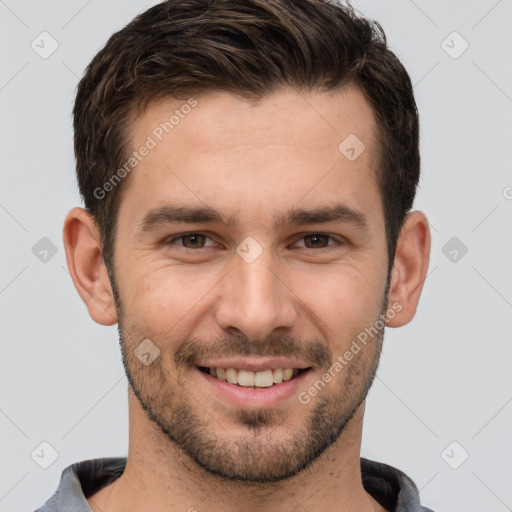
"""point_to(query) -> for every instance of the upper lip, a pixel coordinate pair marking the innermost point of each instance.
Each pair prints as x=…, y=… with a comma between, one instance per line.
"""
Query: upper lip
x=254, y=364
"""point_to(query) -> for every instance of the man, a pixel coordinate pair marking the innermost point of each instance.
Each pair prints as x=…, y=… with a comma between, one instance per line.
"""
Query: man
x=248, y=169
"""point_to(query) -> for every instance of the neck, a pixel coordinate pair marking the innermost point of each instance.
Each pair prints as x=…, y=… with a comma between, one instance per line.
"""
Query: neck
x=160, y=477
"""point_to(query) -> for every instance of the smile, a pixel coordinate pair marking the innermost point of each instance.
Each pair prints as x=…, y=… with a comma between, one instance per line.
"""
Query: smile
x=246, y=378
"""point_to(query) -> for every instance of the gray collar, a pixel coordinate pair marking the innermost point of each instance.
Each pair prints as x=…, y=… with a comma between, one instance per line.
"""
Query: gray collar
x=392, y=488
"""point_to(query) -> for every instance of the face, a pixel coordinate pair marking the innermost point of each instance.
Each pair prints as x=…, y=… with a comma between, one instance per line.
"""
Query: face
x=247, y=239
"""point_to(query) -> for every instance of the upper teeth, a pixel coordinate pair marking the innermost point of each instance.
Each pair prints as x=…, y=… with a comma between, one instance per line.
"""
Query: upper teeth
x=247, y=378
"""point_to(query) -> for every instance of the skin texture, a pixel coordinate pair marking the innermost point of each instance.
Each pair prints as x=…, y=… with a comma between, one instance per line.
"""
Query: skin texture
x=303, y=296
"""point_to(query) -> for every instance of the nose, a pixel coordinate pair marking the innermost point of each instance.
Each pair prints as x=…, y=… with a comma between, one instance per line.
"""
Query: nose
x=255, y=298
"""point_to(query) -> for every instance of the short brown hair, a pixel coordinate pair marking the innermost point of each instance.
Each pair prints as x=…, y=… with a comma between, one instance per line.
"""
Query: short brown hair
x=251, y=48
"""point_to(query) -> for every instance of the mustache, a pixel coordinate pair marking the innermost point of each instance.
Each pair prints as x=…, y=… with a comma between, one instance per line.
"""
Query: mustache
x=313, y=351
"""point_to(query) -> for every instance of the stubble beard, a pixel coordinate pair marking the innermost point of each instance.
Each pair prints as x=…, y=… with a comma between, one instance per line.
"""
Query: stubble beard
x=264, y=451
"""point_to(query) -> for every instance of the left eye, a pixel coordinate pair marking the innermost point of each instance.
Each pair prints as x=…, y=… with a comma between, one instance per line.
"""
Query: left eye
x=318, y=240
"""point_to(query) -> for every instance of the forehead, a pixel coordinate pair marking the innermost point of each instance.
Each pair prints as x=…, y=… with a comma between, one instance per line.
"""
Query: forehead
x=286, y=117
x=224, y=151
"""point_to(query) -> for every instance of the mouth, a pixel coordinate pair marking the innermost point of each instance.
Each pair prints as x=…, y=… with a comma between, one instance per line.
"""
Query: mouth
x=248, y=379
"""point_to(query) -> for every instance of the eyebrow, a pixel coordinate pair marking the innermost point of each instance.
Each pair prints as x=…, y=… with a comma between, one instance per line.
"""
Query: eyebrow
x=169, y=214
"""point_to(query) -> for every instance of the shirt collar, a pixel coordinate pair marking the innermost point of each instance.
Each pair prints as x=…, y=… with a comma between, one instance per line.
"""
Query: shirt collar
x=392, y=488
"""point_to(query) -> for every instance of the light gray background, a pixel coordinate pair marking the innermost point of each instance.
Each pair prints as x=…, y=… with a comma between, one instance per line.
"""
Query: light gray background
x=445, y=377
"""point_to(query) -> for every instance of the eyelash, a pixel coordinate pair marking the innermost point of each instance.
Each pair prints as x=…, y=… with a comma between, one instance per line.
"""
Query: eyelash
x=337, y=241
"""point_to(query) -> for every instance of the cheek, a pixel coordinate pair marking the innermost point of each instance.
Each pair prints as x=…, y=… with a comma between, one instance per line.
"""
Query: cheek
x=339, y=299
x=346, y=300
x=162, y=298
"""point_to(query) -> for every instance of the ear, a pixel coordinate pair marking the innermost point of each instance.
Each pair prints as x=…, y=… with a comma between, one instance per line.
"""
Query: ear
x=86, y=266
x=409, y=268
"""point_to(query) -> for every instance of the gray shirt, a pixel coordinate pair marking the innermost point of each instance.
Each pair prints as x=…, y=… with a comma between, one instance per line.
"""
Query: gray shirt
x=393, y=489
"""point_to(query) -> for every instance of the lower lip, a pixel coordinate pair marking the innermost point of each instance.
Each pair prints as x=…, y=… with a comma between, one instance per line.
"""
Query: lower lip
x=254, y=398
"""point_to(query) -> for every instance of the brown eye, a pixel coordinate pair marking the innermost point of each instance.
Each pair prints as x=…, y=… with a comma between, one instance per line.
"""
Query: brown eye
x=190, y=241
x=316, y=241
x=193, y=241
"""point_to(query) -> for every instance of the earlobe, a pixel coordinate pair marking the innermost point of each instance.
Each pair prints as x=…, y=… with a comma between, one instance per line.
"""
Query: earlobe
x=86, y=266
x=409, y=269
